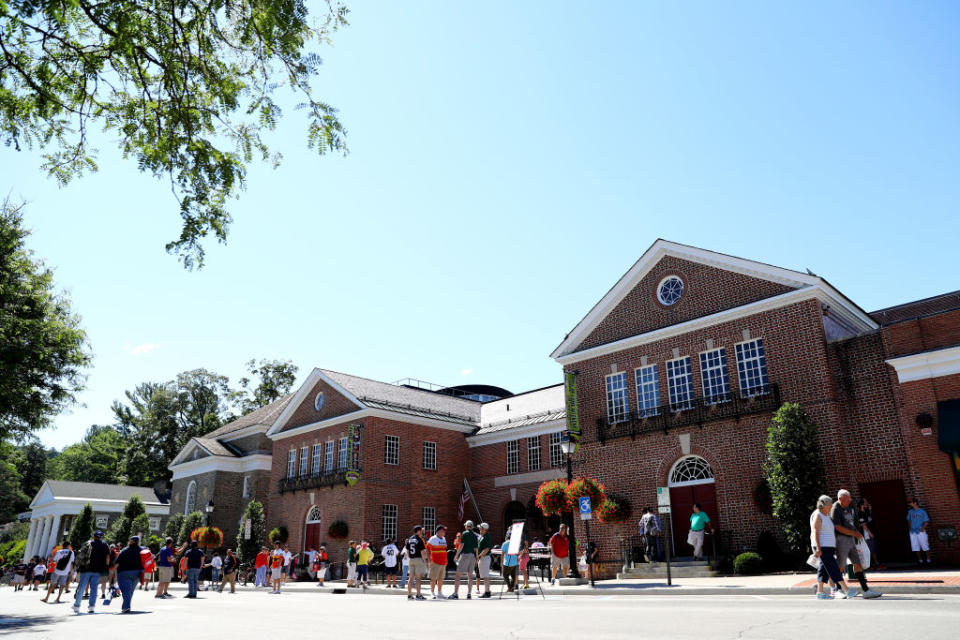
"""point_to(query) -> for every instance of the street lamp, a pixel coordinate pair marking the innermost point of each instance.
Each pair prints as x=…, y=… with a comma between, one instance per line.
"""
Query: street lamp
x=209, y=510
x=568, y=447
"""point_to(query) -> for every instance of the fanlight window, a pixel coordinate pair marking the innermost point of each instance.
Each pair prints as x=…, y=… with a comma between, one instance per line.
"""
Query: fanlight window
x=314, y=515
x=691, y=470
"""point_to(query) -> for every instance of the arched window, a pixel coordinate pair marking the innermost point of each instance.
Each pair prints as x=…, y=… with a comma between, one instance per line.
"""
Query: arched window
x=690, y=470
x=190, y=504
x=314, y=515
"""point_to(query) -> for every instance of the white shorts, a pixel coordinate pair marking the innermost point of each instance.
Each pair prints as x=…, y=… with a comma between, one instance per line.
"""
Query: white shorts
x=351, y=571
x=484, y=565
x=919, y=541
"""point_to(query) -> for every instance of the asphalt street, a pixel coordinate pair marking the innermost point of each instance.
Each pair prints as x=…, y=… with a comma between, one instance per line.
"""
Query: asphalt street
x=249, y=614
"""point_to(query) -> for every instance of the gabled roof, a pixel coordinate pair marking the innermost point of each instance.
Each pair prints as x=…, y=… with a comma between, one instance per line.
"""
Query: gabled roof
x=94, y=491
x=264, y=416
x=795, y=279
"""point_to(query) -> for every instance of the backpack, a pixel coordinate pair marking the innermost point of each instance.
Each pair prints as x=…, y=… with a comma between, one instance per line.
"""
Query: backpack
x=63, y=561
x=83, y=556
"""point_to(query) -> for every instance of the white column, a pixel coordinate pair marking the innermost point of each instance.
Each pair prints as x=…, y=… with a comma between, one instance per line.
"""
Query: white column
x=44, y=538
x=31, y=538
x=54, y=534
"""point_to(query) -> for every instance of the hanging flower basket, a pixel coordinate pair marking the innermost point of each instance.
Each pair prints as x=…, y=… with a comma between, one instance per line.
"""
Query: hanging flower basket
x=614, y=510
x=207, y=537
x=279, y=534
x=552, y=497
x=338, y=530
x=587, y=487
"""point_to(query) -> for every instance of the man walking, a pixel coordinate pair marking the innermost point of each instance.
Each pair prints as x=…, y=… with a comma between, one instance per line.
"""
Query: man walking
x=437, y=547
x=276, y=567
x=194, y=558
x=919, y=543
x=509, y=565
x=229, y=572
x=165, y=569
x=62, y=566
x=484, y=546
x=649, y=529
x=467, y=561
x=93, y=561
x=417, y=550
x=844, y=518
x=559, y=553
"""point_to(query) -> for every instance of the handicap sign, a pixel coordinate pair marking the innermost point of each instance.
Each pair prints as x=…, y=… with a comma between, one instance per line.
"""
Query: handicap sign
x=585, y=510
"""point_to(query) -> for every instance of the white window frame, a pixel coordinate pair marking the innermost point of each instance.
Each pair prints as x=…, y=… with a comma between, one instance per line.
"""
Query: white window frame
x=102, y=522
x=674, y=385
x=342, y=449
x=155, y=523
x=389, y=517
x=760, y=367
x=315, y=458
x=648, y=391
x=557, y=459
x=429, y=455
x=429, y=518
x=190, y=499
x=246, y=486
x=292, y=462
x=304, y=461
x=533, y=453
x=393, y=459
x=513, y=456
x=618, y=398
x=714, y=376
x=328, y=458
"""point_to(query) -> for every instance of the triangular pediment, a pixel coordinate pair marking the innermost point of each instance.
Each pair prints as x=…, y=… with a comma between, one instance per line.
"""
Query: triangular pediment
x=44, y=495
x=319, y=398
x=193, y=450
x=712, y=283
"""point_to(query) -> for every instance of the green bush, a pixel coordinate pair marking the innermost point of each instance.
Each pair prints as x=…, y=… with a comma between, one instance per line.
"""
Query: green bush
x=12, y=551
x=748, y=564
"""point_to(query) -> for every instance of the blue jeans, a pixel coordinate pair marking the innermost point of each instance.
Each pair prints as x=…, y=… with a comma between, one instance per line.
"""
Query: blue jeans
x=193, y=577
x=261, y=580
x=215, y=575
x=829, y=569
x=83, y=580
x=128, y=581
x=404, y=571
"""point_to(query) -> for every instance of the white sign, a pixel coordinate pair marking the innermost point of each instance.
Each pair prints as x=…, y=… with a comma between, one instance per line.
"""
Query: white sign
x=516, y=534
x=246, y=529
x=664, y=508
x=585, y=510
x=663, y=496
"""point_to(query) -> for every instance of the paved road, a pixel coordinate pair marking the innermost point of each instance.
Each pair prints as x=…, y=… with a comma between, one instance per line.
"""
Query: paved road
x=310, y=615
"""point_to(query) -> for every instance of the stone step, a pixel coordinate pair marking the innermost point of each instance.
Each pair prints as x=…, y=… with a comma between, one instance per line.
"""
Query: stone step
x=661, y=572
x=658, y=565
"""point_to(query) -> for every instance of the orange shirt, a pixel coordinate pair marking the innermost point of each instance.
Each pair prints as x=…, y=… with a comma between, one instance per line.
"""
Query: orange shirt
x=262, y=559
x=438, y=550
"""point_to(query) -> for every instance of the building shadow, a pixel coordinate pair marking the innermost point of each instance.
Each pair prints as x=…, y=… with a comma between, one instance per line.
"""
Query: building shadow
x=18, y=624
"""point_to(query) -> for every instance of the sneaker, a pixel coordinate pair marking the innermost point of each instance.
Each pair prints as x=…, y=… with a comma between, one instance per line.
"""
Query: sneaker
x=824, y=596
x=452, y=597
x=443, y=597
x=125, y=611
x=91, y=610
x=409, y=597
x=486, y=594
x=419, y=597
x=852, y=592
x=433, y=597
x=76, y=608
x=870, y=593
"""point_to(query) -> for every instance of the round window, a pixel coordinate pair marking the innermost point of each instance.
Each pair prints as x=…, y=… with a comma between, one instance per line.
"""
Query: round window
x=670, y=290
x=318, y=401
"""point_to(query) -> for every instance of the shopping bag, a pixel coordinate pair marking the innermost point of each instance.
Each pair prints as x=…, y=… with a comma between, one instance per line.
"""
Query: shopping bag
x=692, y=538
x=813, y=561
x=864, y=552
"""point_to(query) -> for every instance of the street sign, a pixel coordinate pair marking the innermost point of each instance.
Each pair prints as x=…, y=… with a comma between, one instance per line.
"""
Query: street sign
x=585, y=510
x=664, y=508
x=663, y=496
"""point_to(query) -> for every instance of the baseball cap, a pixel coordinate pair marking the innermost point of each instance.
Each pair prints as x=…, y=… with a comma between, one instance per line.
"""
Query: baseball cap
x=440, y=528
x=98, y=534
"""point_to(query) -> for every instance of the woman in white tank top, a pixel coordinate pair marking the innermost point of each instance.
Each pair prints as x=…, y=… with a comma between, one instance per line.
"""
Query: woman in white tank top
x=823, y=539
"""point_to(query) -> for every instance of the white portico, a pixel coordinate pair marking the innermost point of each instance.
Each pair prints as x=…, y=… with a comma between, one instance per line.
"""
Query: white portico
x=58, y=502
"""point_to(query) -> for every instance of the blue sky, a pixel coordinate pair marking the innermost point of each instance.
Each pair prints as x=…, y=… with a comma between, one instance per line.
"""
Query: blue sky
x=509, y=161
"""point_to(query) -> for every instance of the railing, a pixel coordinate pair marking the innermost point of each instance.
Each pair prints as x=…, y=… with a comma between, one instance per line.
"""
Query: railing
x=313, y=481
x=696, y=411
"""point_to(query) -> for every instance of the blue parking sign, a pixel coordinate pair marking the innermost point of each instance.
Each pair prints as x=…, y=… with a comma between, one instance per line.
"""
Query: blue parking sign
x=585, y=510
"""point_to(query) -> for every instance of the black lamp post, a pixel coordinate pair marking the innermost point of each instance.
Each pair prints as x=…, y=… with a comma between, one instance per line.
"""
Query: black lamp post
x=568, y=447
x=209, y=512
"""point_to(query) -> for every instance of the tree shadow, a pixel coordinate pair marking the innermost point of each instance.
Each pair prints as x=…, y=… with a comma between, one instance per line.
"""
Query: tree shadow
x=18, y=624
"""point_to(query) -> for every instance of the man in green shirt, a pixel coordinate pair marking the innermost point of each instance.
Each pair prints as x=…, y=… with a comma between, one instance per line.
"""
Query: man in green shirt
x=698, y=523
x=351, y=563
x=467, y=559
x=483, y=557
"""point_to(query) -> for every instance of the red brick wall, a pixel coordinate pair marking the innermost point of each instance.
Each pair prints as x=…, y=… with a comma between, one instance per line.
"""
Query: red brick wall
x=334, y=405
x=922, y=334
x=706, y=290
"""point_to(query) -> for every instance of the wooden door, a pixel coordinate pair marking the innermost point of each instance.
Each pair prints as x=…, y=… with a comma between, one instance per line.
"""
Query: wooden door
x=312, y=539
x=682, y=500
x=889, y=503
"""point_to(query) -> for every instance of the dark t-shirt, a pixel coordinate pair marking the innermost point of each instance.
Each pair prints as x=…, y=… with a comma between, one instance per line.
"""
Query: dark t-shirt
x=468, y=540
x=864, y=517
x=591, y=547
x=129, y=559
x=194, y=558
x=229, y=564
x=99, y=557
x=415, y=546
x=351, y=555
x=165, y=557
x=844, y=517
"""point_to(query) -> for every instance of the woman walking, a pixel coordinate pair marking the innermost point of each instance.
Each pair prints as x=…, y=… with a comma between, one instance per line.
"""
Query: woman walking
x=823, y=539
x=129, y=567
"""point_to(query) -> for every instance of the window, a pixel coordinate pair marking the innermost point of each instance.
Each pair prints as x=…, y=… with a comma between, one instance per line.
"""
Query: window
x=648, y=391
x=713, y=374
x=513, y=456
x=190, y=504
x=556, y=449
x=533, y=453
x=429, y=519
x=430, y=456
x=689, y=471
x=292, y=463
x=389, y=522
x=752, y=369
x=617, y=397
x=246, y=486
x=304, y=460
x=154, y=524
x=343, y=454
x=328, y=459
x=102, y=522
x=669, y=290
x=318, y=401
x=680, y=384
x=391, y=453
x=317, y=448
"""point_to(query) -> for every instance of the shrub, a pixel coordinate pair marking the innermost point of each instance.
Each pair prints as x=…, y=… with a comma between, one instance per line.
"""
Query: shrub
x=748, y=564
x=247, y=548
x=552, y=497
x=174, y=524
x=82, y=528
x=191, y=522
x=338, y=530
x=614, y=510
x=154, y=543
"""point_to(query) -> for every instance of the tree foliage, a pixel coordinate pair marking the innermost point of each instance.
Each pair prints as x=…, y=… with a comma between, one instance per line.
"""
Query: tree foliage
x=31, y=459
x=42, y=347
x=172, y=530
x=82, y=528
x=186, y=88
x=191, y=522
x=119, y=531
x=133, y=508
x=11, y=493
x=96, y=458
x=140, y=526
x=276, y=378
x=247, y=549
x=794, y=471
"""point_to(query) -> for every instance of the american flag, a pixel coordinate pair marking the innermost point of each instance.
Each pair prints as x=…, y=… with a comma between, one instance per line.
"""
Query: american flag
x=464, y=498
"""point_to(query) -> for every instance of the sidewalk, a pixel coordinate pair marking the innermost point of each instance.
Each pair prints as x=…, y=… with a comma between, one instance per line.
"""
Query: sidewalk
x=941, y=581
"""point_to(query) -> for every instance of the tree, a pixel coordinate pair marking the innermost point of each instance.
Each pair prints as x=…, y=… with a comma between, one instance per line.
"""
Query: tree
x=248, y=549
x=276, y=380
x=173, y=527
x=31, y=460
x=133, y=508
x=794, y=471
x=119, y=531
x=11, y=494
x=140, y=526
x=187, y=89
x=82, y=528
x=42, y=347
x=96, y=458
x=191, y=522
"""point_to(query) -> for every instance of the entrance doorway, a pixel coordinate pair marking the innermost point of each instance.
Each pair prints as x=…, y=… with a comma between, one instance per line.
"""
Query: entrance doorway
x=691, y=481
x=311, y=539
x=512, y=512
x=888, y=500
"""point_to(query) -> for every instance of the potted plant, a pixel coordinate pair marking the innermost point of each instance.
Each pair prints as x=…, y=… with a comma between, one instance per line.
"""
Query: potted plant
x=338, y=530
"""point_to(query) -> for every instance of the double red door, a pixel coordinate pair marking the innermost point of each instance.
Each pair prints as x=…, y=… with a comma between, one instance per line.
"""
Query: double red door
x=312, y=538
x=889, y=503
x=682, y=500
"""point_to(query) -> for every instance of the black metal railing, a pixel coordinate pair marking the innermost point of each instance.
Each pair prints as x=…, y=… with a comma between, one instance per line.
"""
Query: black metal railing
x=313, y=481
x=698, y=411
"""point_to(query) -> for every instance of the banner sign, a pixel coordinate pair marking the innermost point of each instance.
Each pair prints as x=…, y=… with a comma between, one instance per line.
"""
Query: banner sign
x=516, y=535
x=573, y=410
x=246, y=529
x=353, y=457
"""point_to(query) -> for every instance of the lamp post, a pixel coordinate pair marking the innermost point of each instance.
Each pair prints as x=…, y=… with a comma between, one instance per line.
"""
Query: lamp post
x=209, y=512
x=568, y=447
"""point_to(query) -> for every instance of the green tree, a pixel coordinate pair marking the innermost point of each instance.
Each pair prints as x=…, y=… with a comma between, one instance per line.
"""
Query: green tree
x=42, y=348
x=96, y=458
x=140, y=526
x=794, y=471
x=133, y=508
x=31, y=460
x=82, y=528
x=247, y=549
x=191, y=522
x=186, y=88
x=119, y=531
x=276, y=378
x=11, y=493
x=174, y=524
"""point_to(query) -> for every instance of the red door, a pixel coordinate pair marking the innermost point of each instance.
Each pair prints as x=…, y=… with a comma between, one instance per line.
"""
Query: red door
x=889, y=503
x=312, y=539
x=681, y=508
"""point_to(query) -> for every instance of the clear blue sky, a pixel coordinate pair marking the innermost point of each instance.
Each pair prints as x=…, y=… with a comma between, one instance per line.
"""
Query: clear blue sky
x=509, y=161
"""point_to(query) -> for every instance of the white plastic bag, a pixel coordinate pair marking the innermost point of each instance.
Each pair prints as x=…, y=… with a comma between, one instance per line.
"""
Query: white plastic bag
x=813, y=561
x=864, y=552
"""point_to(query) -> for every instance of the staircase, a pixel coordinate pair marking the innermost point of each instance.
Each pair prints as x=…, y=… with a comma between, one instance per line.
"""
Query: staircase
x=678, y=569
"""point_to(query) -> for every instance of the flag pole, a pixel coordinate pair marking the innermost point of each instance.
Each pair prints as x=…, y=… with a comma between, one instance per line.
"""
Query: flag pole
x=473, y=500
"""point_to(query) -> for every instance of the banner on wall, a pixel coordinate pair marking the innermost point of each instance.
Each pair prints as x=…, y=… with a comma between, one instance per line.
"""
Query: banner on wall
x=353, y=467
x=573, y=409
